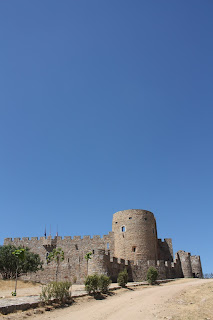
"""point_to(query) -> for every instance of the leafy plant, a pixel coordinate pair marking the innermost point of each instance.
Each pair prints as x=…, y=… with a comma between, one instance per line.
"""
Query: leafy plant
x=103, y=283
x=56, y=290
x=122, y=278
x=97, y=284
x=91, y=284
x=152, y=275
x=56, y=255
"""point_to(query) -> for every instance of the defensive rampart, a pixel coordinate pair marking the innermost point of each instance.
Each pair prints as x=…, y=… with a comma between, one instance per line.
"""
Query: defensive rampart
x=132, y=244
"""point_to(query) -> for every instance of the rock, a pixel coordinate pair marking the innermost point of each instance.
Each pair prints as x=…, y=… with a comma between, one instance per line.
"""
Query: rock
x=38, y=311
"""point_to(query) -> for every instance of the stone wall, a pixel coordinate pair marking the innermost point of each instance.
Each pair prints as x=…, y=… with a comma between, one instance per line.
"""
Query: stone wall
x=135, y=235
x=196, y=267
x=132, y=244
x=74, y=266
x=165, y=250
x=166, y=269
x=185, y=261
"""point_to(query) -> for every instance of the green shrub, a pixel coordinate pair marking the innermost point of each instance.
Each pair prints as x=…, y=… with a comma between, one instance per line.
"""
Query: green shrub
x=122, y=278
x=103, y=283
x=152, y=275
x=91, y=284
x=97, y=284
x=56, y=290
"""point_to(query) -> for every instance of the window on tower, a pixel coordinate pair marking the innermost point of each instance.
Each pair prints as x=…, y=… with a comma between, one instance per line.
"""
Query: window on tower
x=123, y=229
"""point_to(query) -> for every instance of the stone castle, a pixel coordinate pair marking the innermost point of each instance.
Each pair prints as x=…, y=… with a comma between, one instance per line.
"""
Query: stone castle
x=133, y=244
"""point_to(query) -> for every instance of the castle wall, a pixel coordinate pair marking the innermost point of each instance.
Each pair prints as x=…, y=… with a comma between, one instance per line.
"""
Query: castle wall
x=135, y=235
x=185, y=261
x=165, y=250
x=132, y=245
x=166, y=269
x=196, y=267
x=74, y=266
x=105, y=263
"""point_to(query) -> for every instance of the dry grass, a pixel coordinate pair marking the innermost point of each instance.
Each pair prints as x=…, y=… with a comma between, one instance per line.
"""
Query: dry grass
x=24, y=288
x=194, y=303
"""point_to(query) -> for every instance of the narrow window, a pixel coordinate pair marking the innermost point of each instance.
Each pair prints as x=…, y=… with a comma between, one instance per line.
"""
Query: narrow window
x=123, y=229
x=134, y=249
x=145, y=219
x=107, y=245
x=76, y=247
x=68, y=260
x=93, y=251
x=153, y=230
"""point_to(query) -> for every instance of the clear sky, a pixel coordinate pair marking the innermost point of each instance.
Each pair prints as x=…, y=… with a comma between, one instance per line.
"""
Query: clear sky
x=106, y=106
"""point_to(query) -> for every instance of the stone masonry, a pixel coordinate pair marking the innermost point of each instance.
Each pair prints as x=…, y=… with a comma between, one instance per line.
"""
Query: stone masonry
x=133, y=244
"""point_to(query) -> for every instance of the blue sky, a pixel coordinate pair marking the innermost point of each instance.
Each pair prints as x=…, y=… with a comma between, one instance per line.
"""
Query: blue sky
x=106, y=106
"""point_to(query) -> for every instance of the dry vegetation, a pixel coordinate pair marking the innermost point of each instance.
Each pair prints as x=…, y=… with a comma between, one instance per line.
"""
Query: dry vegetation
x=25, y=288
x=191, y=304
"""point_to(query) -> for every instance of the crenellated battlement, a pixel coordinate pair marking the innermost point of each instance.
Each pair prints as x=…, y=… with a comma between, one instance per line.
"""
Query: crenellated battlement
x=66, y=238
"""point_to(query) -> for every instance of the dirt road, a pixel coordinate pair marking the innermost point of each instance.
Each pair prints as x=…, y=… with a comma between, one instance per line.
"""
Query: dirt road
x=183, y=299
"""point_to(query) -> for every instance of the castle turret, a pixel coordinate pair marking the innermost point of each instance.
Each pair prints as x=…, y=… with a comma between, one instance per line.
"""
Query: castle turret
x=196, y=267
x=185, y=260
x=135, y=235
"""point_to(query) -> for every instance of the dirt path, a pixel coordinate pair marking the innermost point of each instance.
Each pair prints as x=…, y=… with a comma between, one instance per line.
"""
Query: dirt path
x=183, y=299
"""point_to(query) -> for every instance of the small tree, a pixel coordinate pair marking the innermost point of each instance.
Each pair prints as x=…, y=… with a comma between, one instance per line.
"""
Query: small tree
x=56, y=255
x=20, y=257
x=122, y=278
x=152, y=275
x=88, y=257
x=8, y=262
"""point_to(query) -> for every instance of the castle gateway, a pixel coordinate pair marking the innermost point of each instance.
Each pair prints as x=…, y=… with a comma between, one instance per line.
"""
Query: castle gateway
x=133, y=245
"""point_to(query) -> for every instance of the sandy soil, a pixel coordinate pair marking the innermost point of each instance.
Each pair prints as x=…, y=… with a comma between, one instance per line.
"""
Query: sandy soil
x=183, y=299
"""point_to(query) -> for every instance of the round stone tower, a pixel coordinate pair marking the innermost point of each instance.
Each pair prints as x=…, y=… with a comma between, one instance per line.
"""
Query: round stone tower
x=135, y=235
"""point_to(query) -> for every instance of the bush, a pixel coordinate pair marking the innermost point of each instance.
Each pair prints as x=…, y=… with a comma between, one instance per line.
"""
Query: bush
x=56, y=290
x=97, y=284
x=91, y=284
x=152, y=275
x=103, y=283
x=122, y=278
